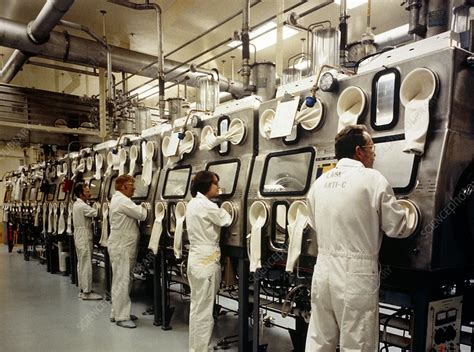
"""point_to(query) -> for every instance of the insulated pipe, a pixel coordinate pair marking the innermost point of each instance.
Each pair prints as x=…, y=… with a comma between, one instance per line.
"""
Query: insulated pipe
x=81, y=51
x=38, y=31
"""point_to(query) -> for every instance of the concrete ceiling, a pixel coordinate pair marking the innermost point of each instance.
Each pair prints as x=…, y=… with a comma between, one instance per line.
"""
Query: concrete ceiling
x=185, y=19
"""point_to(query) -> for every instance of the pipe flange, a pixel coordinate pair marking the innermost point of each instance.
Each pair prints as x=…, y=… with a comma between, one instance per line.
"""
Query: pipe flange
x=32, y=37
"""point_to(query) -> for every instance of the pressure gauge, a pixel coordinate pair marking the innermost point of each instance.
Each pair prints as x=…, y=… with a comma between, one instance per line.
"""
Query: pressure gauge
x=328, y=83
x=196, y=121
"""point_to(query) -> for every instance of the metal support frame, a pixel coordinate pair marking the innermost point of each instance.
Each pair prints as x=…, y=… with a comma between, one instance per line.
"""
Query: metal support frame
x=243, y=319
x=73, y=260
x=157, y=294
x=167, y=311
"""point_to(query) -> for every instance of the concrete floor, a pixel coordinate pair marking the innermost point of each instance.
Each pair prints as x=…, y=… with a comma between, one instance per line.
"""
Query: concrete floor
x=40, y=311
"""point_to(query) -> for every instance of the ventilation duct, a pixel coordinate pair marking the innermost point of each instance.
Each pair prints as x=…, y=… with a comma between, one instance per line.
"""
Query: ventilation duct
x=81, y=51
x=38, y=31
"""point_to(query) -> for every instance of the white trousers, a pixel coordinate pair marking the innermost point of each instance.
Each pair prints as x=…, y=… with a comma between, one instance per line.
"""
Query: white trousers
x=344, y=305
x=84, y=248
x=204, y=281
x=122, y=262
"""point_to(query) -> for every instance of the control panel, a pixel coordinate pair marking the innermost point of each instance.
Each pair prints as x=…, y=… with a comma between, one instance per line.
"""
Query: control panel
x=444, y=325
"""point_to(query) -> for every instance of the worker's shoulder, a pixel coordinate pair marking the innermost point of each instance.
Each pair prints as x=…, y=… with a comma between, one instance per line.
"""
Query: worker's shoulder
x=375, y=176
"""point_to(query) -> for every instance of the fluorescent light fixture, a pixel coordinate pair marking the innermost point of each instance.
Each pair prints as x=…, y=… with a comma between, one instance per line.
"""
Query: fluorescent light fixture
x=352, y=3
x=267, y=39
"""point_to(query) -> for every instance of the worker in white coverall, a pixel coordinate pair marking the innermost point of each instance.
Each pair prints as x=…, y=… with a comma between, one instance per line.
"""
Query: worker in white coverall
x=351, y=206
x=82, y=214
x=124, y=215
x=204, y=220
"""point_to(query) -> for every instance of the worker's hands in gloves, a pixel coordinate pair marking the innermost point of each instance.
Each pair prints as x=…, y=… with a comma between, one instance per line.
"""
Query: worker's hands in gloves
x=146, y=205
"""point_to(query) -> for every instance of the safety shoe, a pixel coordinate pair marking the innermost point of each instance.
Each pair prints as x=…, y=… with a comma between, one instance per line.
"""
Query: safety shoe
x=90, y=296
x=132, y=318
x=126, y=324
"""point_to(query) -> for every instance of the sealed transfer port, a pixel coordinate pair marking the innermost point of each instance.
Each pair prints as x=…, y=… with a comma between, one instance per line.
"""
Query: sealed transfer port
x=230, y=208
x=258, y=214
x=413, y=216
x=350, y=106
x=265, y=123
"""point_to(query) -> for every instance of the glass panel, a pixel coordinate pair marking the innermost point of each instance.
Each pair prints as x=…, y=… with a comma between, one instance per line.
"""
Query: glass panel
x=287, y=173
x=24, y=194
x=141, y=191
x=95, y=186
x=112, y=188
x=385, y=99
x=61, y=194
x=280, y=228
x=32, y=196
x=177, y=182
x=39, y=195
x=227, y=175
x=8, y=195
x=393, y=163
x=51, y=192
x=223, y=128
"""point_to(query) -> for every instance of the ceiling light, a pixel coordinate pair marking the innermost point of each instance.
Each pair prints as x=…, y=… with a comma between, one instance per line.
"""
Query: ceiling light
x=352, y=3
x=265, y=40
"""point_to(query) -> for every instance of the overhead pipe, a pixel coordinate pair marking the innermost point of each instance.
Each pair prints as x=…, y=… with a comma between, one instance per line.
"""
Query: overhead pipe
x=81, y=51
x=211, y=29
x=62, y=68
x=159, y=27
x=416, y=22
x=245, y=38
x=80, y=27
x=38, y=32
x=343, y=30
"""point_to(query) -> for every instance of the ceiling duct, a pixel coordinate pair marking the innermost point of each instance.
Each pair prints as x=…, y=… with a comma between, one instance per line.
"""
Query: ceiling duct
x=38, y=32
x=81, y=51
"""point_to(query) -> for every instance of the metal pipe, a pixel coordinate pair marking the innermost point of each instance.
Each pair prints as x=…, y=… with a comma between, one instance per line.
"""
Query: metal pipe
x=343, y=30
x=415, y=27
x=245, y=38
x=49, y=16
x=62, y=68
x=80, y=27
x=211, y=29
x=49, y=129
x=161, y=75
x=13, y=66
x=38, y=32
x=87, y=52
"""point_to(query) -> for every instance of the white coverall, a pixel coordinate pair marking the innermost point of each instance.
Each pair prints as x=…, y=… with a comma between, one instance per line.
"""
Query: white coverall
x=122, y=247
x=350, y=208
x=82, y=214
x=203, y=222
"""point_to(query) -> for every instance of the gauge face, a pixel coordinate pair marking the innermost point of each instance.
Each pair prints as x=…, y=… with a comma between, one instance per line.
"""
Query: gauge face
x=196, y=121
x=327, y=83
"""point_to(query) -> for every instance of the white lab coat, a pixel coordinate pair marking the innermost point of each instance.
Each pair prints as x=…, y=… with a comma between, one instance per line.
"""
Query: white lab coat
x=204, y=220
x=122, y=248
x=350, y=208
x=82, y=214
